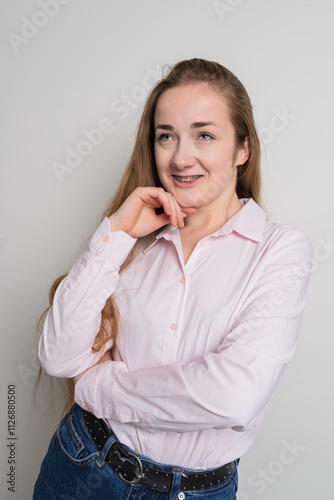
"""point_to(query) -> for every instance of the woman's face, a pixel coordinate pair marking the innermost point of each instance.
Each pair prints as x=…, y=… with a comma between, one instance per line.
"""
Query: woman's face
x=194, y=146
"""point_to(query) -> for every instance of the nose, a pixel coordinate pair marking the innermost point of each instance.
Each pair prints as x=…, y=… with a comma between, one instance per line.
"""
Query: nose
x=184, y=155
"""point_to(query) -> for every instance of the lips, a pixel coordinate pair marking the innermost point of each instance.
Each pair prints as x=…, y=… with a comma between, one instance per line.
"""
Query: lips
x=188, y=178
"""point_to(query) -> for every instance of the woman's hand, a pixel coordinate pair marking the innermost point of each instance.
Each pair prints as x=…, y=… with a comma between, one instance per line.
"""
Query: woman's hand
x=106, y=357
x=137, y=216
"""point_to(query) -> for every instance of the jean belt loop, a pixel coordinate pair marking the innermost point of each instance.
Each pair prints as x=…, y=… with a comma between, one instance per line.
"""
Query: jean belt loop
x=105, y=450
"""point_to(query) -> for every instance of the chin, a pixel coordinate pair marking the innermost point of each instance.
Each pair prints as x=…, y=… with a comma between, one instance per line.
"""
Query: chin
x=186, y=201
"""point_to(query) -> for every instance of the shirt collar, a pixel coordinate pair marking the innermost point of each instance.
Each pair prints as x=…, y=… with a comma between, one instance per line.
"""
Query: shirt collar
x=249, y=222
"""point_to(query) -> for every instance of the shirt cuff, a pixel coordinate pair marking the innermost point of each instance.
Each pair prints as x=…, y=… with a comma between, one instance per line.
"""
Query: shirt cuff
x=114, y=245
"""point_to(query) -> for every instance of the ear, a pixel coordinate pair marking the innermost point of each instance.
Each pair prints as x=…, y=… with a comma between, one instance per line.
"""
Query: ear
x=244, y=152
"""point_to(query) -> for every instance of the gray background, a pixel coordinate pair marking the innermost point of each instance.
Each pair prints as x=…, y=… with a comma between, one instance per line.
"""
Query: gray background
x=85, y=60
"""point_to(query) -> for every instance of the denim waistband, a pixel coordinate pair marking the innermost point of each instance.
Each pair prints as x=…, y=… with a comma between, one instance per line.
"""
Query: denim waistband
x=144, y=458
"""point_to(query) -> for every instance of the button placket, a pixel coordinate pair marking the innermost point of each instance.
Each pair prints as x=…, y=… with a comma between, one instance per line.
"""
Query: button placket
x=172, y=333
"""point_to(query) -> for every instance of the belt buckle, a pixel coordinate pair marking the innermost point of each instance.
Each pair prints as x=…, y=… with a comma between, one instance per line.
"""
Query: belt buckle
x=140, y=475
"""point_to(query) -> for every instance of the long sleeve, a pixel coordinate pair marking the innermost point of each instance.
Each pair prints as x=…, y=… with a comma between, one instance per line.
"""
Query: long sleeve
x=227, y=388
x=71, y=324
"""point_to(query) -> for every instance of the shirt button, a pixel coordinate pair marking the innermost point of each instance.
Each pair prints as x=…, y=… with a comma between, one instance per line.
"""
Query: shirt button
x=173, y=326
x=182, y=280
x=105, y=238
x=202, y=243
x=181, y=496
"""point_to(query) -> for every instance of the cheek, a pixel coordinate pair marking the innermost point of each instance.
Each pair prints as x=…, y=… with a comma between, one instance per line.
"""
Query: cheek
x=221, y=178
x=161, y=160
x=221, y=172
x=222, y=162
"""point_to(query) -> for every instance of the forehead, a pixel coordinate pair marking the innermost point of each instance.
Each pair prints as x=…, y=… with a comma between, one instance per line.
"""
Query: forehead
x=192, y=101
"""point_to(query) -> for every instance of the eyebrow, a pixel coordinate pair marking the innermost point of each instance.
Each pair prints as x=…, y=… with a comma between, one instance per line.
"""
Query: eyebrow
x=193, y=125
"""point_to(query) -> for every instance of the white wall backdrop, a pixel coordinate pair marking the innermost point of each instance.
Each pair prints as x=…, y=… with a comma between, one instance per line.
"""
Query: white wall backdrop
x=71, y=66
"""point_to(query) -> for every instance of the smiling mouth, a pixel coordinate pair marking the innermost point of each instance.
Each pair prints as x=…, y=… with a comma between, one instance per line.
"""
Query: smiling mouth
x=188, y=178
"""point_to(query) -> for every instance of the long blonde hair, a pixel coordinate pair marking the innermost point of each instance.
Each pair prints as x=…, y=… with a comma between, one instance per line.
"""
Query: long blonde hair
x=141, y=169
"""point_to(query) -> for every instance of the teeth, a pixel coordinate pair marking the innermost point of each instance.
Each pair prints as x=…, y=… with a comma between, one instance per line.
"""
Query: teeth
x=187, y=179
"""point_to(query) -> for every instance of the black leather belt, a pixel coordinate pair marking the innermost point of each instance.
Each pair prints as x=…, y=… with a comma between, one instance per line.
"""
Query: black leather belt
x=130, y=469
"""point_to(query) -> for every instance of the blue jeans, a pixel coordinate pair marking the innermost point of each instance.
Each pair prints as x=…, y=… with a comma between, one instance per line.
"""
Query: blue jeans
x=73, y=470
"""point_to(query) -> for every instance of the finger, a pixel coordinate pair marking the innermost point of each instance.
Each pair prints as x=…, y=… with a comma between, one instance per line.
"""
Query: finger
x=184, y=214
x=184, y=211
x=173, y=216
x=155, y=198
x=165, y=201
x=180, y=216
x=168, y=206
x=177, y=216
x=189, y=210
x=163, y=219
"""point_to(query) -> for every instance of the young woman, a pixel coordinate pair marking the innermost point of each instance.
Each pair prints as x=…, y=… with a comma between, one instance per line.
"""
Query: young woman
x=177, y=321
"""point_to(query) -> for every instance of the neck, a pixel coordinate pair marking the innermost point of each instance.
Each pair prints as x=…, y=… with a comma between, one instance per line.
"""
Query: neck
x=213, y=217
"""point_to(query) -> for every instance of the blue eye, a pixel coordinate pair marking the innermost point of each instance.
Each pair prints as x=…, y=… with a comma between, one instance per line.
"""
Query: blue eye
x=163, y=136
x=208, y=135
